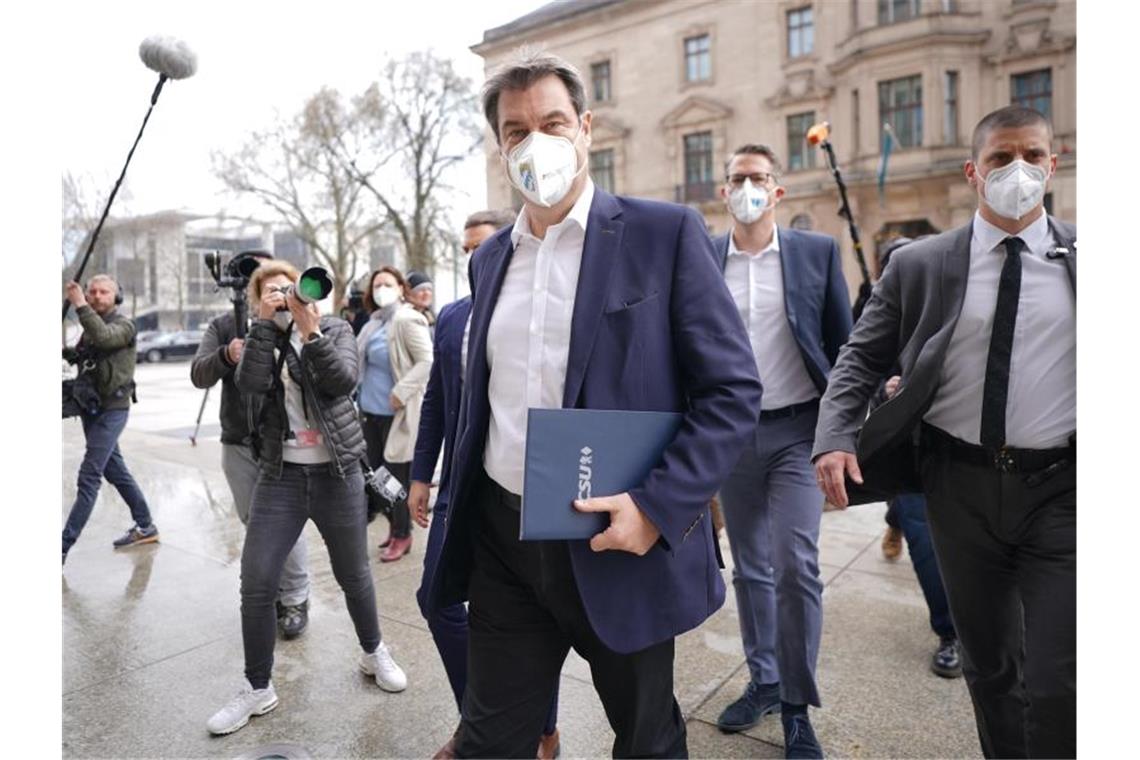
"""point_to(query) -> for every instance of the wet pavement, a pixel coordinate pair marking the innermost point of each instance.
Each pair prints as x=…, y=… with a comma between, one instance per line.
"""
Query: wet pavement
x=152, y=635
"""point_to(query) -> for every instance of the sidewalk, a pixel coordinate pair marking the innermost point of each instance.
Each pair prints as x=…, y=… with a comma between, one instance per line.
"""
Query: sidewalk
x=152, y=642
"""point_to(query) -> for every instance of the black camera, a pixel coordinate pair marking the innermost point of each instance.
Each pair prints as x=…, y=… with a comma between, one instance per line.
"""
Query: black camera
x=235, y=274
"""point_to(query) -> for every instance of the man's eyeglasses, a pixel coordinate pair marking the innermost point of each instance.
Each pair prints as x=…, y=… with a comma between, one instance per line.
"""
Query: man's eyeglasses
x=759, y=178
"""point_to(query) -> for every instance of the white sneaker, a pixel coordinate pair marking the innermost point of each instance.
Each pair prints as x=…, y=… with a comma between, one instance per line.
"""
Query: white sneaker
x=249, y=701
x=389, y=676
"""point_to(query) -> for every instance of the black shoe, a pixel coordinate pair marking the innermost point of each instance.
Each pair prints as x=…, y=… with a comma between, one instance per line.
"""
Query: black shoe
x=799, y=738
x=947, y=661
x=757, y=701
x=293, y=618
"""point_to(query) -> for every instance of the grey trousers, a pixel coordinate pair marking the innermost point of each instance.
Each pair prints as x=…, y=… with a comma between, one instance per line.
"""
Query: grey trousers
x=241, y=473
x=772, y=509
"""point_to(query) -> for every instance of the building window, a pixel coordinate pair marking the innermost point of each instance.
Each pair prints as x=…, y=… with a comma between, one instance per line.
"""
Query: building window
x=900, y=105
x=700, y=182
x=600, y=77
x=801, y=33
x=698, y=58
x=950, y=108
x=893, y=11
x=949, y=6
x=602, y=168
x=856, y=125
x=801, y=222
x=1033, y=89
x=800, y=154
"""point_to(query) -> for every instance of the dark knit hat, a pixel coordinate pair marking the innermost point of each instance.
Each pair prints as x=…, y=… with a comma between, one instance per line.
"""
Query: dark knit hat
x=418, y=279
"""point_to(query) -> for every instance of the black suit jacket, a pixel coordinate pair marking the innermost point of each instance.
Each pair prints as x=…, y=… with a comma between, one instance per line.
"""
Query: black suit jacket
x=908, y=321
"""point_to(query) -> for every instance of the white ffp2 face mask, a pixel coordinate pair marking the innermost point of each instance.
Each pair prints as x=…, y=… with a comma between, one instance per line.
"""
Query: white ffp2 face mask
x=282, y=319
x=748, y=202
x=385, y=295
x=543, y=167
x=1015, y=189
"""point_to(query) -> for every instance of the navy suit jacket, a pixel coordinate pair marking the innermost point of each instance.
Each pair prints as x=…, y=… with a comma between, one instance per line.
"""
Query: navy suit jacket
x=654, y=328
x=439, y=415
x=816, y=301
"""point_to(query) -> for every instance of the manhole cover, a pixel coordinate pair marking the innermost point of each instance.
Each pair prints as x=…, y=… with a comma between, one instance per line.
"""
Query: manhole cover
x=277, y=751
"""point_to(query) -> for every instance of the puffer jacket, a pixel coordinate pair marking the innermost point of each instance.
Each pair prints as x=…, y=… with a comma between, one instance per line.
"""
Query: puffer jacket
x=327, y=370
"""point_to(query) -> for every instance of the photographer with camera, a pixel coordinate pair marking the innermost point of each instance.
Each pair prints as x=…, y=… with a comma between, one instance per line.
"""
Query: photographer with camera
x=298, y=371
x=216, y=360
x=106, y=358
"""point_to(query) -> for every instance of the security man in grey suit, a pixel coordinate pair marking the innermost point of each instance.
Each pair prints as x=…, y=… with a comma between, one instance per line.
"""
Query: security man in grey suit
x=789, y=288
x=981, y=320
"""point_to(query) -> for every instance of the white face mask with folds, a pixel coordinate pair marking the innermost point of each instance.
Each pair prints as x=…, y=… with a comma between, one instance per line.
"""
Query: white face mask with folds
x=1015, y=189
x=748, y=202
x=282, y=319
x=543, y=167
x=385, y=295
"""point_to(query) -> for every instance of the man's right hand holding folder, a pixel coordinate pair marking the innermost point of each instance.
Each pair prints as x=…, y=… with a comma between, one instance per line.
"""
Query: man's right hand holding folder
x=630, y=530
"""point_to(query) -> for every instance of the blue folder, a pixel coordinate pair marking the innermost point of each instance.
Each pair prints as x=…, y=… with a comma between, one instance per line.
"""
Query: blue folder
x=582, y=453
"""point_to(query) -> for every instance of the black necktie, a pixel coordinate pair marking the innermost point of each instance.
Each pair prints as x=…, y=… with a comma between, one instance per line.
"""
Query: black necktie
x=996, y=389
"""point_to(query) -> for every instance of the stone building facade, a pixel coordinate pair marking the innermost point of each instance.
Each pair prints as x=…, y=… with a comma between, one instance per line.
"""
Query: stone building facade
x=675, y=85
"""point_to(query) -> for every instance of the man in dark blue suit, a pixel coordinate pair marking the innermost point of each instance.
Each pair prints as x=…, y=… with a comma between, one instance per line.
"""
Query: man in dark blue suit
x=789, y=288
x=438, y=420
x=602, y=302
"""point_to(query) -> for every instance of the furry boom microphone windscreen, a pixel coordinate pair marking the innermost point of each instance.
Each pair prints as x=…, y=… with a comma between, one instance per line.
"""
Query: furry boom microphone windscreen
x=172, y=59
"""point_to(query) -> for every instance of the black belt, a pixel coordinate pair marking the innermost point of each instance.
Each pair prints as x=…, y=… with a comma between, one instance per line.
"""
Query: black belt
x=502, y=495
x=789, y=411
x=1005, y=459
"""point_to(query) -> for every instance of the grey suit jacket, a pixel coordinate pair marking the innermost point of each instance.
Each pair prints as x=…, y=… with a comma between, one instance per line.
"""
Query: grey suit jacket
x=908, y=321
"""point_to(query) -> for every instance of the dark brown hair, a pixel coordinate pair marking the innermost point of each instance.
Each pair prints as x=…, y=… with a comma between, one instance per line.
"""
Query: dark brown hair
x=370, y=305
x=528, y=66
x=1006, y=118
x=754, y=149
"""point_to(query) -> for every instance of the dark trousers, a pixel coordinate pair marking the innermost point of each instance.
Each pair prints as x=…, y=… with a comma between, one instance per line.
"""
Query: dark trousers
x=525, y=614
x=1008, y=556
x=910, y=516
x=376, y=427
x=102, y=459
x=448, y=625
x=278, y=512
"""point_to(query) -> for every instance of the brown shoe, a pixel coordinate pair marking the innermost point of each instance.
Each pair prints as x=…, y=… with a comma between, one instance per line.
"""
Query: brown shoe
x=447, y=751
x=892, y=543
x=396, y=549
x=549, y=747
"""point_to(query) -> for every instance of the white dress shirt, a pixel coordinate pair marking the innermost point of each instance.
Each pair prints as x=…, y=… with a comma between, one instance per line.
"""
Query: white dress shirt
x=1041, y=410
x=756, y=281
x=528, y=339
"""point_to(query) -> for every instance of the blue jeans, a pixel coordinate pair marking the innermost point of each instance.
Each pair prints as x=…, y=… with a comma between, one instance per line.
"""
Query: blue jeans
x=103, y=460
x=910, y=511
x=448, y=625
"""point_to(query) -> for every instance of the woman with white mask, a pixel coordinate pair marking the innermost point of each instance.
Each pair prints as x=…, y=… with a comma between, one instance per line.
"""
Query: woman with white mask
x=395, y=362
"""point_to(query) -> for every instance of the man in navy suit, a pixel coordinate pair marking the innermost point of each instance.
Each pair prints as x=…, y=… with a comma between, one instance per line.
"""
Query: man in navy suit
x=789, y=289
x=437, y=430
x=601, y=302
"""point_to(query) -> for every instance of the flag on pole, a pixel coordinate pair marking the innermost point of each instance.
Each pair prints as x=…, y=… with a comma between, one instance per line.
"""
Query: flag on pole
x=888, y=145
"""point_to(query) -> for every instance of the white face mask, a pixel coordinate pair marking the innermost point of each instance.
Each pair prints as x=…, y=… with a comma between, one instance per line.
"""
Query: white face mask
x=282, y=319
x=748, y=202
x=543, y=167
x=385, y=295
x=1015, y=189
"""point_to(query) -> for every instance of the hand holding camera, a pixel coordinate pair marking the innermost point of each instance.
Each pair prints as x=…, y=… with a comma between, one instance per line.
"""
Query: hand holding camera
x=306, y=318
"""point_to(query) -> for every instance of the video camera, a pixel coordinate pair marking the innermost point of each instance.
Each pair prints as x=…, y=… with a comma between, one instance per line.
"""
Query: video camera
x=235, y=274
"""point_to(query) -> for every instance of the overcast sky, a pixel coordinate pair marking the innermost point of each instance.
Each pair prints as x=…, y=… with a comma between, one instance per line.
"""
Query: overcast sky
x=255, y=59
